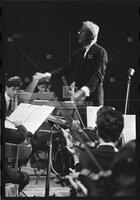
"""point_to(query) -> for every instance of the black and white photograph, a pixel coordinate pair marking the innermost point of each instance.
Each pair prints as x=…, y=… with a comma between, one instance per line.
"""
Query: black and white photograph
x=70, y=98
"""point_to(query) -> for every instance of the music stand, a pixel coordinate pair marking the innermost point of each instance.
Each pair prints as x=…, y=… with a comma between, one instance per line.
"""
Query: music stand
x=51, y=121
x=29, y=96
x=66, y=105
x=47, y=183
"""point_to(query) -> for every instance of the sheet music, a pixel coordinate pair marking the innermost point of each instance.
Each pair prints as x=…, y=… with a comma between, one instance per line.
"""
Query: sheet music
x=38, y=115
x=9, y=125
x=129, y=131
x=91, y=115
x=31, y=116
x=21, y=113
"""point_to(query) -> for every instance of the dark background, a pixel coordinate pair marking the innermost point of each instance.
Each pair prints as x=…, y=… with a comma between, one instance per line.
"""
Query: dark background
x=46, y=33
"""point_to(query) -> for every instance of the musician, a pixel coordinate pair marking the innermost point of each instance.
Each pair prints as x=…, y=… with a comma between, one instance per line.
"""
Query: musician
x=123, y=177
x=13, y=86
x=122, y=181
x=88, y=65
x=13, y=175
x=43, y=85
x=99, y=158
x=16, y=136
x=110, y=124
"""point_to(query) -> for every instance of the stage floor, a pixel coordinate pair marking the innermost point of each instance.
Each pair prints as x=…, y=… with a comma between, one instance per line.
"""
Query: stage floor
x=38, y=190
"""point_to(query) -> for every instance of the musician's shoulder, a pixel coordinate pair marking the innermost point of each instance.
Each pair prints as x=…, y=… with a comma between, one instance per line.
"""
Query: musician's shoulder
x=98, y=47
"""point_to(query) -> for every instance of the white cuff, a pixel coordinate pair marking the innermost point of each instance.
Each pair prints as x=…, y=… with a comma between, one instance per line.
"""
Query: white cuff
x=86, y=90
x=47, y=74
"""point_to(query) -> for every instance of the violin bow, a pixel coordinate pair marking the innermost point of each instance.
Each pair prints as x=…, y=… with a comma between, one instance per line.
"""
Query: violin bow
x=72, y=86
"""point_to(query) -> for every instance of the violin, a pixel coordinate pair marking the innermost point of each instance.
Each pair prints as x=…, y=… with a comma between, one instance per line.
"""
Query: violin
x=92, y=134
x=85, y=183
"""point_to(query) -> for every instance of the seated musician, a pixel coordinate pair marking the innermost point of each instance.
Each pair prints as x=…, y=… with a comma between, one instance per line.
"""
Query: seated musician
x=122, y=179
x=13, y=86
x=13, y=175
x=110, y=124
x=99, y=158
x=43, y=85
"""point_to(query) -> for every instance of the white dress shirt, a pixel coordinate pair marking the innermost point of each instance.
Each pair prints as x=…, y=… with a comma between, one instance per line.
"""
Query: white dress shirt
x=108, y=144
x=7, y=99
x=88, y=47
x=14, y=102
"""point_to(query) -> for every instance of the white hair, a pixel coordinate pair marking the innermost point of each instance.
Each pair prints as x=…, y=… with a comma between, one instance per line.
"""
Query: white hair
x=94, y=28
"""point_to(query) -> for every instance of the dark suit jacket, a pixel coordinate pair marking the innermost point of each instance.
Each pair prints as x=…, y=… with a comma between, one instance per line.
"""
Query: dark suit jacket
x=15, y=136
x=13, y=175
x=103, y=154
x=88, y=71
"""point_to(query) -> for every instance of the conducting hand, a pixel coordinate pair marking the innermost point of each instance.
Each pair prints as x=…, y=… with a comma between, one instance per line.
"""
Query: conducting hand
x=39, y=75
x=79, y=96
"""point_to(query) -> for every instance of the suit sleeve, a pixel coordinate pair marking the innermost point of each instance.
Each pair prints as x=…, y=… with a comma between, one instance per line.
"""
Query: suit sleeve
x=98, y=76
x=16, y=136
x=60, y=71
x=66, y=68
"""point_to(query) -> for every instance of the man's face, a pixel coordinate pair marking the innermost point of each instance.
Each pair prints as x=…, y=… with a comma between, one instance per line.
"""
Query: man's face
x=12, y=91
x=42, y=88
x=84, y=36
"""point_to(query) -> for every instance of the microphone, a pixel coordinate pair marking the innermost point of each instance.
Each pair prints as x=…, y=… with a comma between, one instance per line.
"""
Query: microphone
x=131, y=72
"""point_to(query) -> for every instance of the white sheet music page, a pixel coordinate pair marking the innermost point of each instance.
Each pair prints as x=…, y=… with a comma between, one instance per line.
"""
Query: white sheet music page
x=129, y=131
x=21, y=113
x=9, y=125
x=91, y=115
x=38, y=115
x=31, y=116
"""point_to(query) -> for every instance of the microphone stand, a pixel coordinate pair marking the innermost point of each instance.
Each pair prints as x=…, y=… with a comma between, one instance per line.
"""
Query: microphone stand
x=127, y=94
x=126, y=102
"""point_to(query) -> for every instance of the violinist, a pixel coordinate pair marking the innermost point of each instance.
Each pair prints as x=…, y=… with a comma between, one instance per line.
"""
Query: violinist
x=121, y=181
x=13, y=175
x=109, y=124
x=13, y=86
